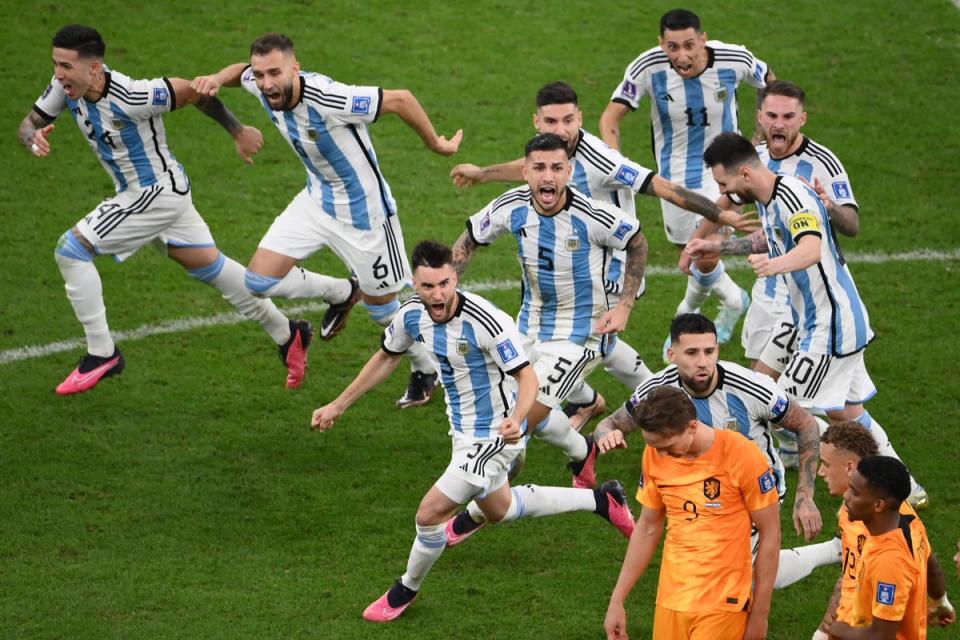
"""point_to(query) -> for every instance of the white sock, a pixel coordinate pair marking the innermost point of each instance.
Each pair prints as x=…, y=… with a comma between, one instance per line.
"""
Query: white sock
x=625, y=364
x=583, y=393
x=534, y=501
x=797, y=563
x=227, y=276
x=726, y=290
x=85, y=292
x=299, y=283
x=556, y=430
x=696, y=294
x=426, y=550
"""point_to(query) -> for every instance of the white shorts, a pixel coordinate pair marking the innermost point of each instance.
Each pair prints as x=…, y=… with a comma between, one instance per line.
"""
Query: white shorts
x=377, y=257
x=822, y=383
x=477, y=468
x=120, y=225
x=769, y=334
x=680, y=223
x=561, y=367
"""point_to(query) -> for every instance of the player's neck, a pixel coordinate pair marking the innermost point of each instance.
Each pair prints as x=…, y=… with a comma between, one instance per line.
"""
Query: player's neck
x=884, y=522
x=765, y=181
x=97, y=85
x=702, y=440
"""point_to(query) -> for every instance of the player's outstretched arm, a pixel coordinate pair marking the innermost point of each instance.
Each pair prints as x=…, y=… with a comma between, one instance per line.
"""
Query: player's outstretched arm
x=615, y=320
x=806, y=517
x=611, y=432
x=643, y=544
x=699, y=204
x=940, y=611
x=403, y=103
x=467, y=175
x=34, y=132
x=767, y=521
x=805, y=254
x=610, y=123
x=463, y=250
x=229, y=76
x=378, y=368
x=248, y=140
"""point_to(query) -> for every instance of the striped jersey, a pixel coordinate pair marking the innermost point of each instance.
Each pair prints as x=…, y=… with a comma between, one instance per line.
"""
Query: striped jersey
x=603, y=173
x=124, y=128
x=327, y=129
x=830, y=316
x=810, y=161
x=687, y=114
x=563, y=258
x=473, y=351
x=743, y=401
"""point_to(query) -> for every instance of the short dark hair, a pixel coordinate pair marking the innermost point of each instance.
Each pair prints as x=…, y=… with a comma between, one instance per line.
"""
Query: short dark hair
x=665, y=411
x=851, y=436
x=782, y=88
x=545, y=142
x=678, y=20
x=887, y=477
x=557, y=93
x=691, y=323
x=731, y=151
x=431, y=254
x=86, y=41
x=271, y=42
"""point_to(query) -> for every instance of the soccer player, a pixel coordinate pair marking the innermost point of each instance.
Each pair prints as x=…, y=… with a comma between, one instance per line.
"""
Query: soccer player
x=730, y=397
x=842, y=446
x=563, y=238
x=474, y=345
x=122, y=121
x=602, y=173
x=708, y=485
x=826, y=373
x=692, y=84
x=891, y=575
x=346, y=205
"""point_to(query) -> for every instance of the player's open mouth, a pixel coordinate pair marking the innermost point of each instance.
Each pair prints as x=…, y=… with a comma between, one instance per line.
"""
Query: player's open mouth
x=548, y=195
x=778, y=137
x=684, y=69
x=438, y=308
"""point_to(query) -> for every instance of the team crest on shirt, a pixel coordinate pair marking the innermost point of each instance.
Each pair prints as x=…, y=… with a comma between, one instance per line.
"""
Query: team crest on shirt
x=361, y=104
x=622, y=230
x=160, y=95
x=628, y=90
x=730, y=423
x=627, y=175
x=463, y=346
x=841, y=189
x=312, y=134
x=886, y=592
x=118, y=124
x=507, y=351
x=711, y=488
x=861, y=540
x=766, y=481
x=720, y=94
x=572, y=243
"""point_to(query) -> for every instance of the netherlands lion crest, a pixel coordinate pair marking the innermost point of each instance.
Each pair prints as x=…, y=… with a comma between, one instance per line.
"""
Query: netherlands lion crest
x=711, y=488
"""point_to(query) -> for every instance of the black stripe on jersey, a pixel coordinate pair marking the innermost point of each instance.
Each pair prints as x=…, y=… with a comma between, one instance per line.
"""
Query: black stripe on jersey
x=489, y=451
x=135, y=98
x=512, y=372
x=514, y=195
x=332, y=101
x=373, y=167
x=668, y=378
x=376, y=116
x=583, y=205
x=651, y=59
x=474, y=240
x=746, y=385
x=575, y=373
x=818, y=376
x=735, y=57
x=173, y=94
x=826, y=157
x=624, y=103
x=502, y=387
x=156, y=146
x=786, y=194
x=593, y=156
x=482, y=316
x=383, y=345
x=112, y=220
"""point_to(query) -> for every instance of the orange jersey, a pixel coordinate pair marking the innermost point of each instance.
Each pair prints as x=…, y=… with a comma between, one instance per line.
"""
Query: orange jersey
x=892, y=580
x=707, y=564
x=853, y=535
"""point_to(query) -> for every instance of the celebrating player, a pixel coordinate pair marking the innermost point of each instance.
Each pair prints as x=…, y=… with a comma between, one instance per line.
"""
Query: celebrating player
x=708, y=485
x=346, y=204
x=122, y=121
x=692, y=84
x=474, y=345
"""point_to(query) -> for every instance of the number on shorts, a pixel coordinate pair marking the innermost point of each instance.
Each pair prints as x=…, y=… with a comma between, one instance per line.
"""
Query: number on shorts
x=380, y=270
x=787, y=338
x=800, y=369
x=561, y=366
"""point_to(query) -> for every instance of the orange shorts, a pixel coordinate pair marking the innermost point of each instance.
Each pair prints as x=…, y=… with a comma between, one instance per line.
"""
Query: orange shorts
x=698, y=625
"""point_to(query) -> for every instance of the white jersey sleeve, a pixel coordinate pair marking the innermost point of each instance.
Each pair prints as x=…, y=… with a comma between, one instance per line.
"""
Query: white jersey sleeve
x=608, y=225
x=248, y=82
x=505, y=346
x=52, y=101
x=634, y=86
x=751, y=69
x=404, y=329
x=612, y=169
x=494, y=219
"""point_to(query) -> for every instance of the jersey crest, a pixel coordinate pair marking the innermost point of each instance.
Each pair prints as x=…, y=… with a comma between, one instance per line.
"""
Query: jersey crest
x=711, y=488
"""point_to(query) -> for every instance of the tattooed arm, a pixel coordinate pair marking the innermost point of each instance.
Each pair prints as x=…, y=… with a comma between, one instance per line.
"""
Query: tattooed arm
x=463, y=250
x=611, y=431
x=806, y=516
x=615, y=320
x=693, y=201
x=33, y=132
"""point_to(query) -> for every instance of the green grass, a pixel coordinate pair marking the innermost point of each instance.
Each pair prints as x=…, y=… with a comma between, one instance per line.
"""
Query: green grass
x=187, y=499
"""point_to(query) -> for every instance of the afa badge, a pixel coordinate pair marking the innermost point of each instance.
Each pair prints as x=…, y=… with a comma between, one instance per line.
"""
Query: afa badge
x=463, y=346
x=841, y=189
x=572, y=243
x=622, y=230
x=627, y=175
x=780, y=407
x=507, y=351
x=767, y=483
x=118, y=124
x=361, y=104
x=312, y=134
x=711, y=488
x=730, y=423
x=160, y=95
x=886, y=592
x=720, y=94
x=628, y=90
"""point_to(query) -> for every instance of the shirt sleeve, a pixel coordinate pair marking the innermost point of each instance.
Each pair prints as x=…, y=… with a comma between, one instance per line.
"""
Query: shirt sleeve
x=893, y=577
x=617, y=235
x=248, y=82
x=143, y=99
x=623, y=171
x=779, y=403
x=506, y=347
x=757, y=72
x=396, y=337
x=630, y=90
x=52, y=101
x=839, y=188
x=347, y=104
x=648, y=493
x=487, y=224
x=757, y=480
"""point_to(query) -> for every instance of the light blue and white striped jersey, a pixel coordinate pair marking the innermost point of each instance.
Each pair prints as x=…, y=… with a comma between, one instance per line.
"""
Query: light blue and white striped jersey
x=830, y=316
x=810, y=161
x=125, y=129
x=743, y=400
x=687, y=114
x=563, y=258
x=474, y=352
x=603, y=173
x=328, y=131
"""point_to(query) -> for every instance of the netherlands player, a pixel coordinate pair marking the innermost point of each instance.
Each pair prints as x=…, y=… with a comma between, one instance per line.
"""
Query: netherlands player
x=122, y=121
x=602, y=173
x=692, y=84
x=889, y=600
x=826, y=373
x=474, y=345
x=708, y=486
x=728, y=396
x=562, y=239
x=346, y=205
x=842, y=446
